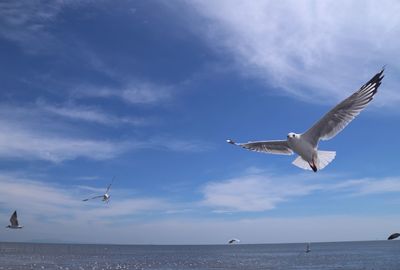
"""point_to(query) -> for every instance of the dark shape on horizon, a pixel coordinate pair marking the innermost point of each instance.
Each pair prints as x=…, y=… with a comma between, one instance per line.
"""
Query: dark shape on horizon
x=306, y=144
x=105, y=197
x=393, y=236
x=234, y=241
x=14, y=222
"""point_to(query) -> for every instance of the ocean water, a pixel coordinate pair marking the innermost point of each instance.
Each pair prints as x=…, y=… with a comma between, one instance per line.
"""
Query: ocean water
x=379, y=255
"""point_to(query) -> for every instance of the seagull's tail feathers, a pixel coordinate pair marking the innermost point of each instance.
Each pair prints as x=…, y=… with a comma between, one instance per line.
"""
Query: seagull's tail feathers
x=324, y=158
x=301, y=163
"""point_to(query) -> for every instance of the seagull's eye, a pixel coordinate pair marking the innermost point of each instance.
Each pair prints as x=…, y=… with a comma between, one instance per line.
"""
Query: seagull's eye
x=293, y=135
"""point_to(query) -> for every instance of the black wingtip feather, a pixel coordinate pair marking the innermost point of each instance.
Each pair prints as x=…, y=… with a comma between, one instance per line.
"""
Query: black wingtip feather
x=377, y=79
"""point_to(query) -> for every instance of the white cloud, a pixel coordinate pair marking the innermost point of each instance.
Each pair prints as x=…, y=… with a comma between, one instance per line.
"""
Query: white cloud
x=261, y=191
x=133, y=92
x=90, y=114
x=177, y=145
x=32, y=133
x=36, y=198
x=382, y=186
x=369, y=186
x=47, y=209
x=18, y=142
x=254, y=192
x=29, y=133
x=311, y=50
x=25, y=22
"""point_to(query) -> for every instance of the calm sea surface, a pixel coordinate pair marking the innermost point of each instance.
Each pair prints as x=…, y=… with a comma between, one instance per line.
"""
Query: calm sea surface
x=379, y=255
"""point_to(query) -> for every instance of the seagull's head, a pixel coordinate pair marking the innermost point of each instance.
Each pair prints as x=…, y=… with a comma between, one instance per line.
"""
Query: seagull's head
x=292, y=135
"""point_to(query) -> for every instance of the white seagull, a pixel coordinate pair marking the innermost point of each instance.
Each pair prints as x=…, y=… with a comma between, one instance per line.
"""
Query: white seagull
x=105, y=197
x=306, y=144
x=14, y=221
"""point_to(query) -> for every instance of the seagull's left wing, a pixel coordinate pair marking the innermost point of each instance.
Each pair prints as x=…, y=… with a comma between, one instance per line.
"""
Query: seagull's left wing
x=340, y=116
x=272, y=147
x=95, y=197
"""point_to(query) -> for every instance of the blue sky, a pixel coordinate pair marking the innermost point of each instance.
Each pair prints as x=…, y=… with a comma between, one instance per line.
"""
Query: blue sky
x=148, y=92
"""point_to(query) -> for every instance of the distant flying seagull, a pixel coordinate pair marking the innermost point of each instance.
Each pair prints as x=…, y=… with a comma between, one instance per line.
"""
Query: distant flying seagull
x=306, y=144
x=234, y=241
x=393, y=236
x=14, y=221
x=105, y=197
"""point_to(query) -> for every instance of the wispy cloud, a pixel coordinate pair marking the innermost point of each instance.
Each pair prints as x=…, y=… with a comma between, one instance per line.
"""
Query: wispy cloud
x=262, y=191
x=327, y=49
x=23, y=144
x=177, y=145
x=91, y=114
x=28, y=133
x=17, y=142
x=254, y=192
x=46, y=209
x=369, y=186
x=25, y=22
x=36, y=198
x=133, y=92
x=32, y=133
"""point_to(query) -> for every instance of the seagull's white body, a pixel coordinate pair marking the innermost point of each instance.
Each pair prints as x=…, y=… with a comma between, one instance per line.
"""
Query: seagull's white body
x=105, y=197
x=306, y=144
x=14, y=222
x=301, y=146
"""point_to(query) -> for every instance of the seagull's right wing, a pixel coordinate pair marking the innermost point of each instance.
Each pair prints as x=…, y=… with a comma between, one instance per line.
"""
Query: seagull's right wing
x=14, y=219
x=339, y=117
x=95, y=197
x=272, y=147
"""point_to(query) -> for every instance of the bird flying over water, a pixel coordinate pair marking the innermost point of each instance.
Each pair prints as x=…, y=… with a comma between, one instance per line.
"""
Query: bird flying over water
x=14, y=221
x=393, y=236
x=306, y=144
x=105, y=197
x=234, y=241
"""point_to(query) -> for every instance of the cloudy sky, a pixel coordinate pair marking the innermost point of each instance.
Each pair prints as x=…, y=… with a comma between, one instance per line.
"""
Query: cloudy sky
x=148, y=92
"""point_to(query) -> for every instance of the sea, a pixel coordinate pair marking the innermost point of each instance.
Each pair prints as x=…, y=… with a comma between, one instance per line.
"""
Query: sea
x=378, y=255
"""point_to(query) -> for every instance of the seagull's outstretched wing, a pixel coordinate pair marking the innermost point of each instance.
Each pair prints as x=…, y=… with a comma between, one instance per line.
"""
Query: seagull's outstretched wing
x=95, y=197
x=14, y=219
x=272, y=147
x=340, y=116
x=393, y=236
x=109, y=186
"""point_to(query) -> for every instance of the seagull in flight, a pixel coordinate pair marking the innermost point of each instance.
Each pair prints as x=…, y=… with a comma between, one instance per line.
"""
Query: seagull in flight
x=393, y=236
x=14, y=221
x=306, y=144
x=234, y=241
x=105, y=197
